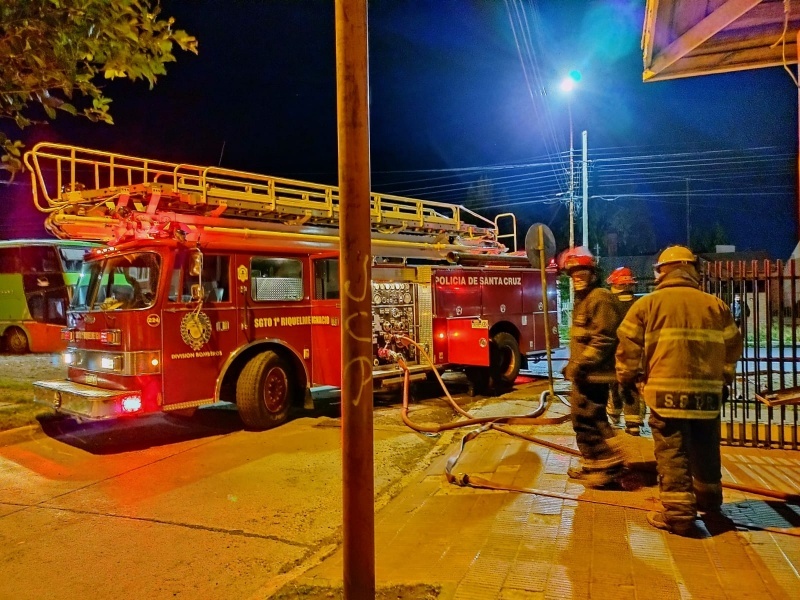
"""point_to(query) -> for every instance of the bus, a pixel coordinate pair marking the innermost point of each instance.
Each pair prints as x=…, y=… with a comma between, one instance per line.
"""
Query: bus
x=36, y=282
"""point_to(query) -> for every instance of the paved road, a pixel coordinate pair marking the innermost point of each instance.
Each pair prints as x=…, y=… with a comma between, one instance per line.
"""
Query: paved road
x=162, y=509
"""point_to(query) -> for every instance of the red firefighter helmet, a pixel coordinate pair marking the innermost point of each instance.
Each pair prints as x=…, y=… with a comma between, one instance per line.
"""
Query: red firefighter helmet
x=621, y=276
x=578, y=258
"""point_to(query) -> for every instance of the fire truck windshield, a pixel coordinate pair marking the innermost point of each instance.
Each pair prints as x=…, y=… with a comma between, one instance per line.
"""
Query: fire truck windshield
x=124, y=282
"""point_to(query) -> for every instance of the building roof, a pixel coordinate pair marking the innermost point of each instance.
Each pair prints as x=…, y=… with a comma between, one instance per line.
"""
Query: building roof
x=684, y=38
x=746, y=256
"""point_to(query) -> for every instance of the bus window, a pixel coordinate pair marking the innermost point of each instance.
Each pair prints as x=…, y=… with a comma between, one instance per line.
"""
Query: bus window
x=37, y=277
x=39, y=259
x=72, y=258
x=48, y=307
x=90, y=276
x=276, y=279
x=9, y=260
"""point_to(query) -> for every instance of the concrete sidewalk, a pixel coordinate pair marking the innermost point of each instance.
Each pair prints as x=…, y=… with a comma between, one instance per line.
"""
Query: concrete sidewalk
x=486, y=544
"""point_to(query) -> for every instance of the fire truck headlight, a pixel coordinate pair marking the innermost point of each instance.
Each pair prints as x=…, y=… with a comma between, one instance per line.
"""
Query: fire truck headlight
x=67, y=358
x=110, y=362
x=131, y=404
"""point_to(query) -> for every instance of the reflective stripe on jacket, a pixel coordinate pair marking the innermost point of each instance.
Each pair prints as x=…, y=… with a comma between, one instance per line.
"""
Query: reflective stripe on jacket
x=688, y=344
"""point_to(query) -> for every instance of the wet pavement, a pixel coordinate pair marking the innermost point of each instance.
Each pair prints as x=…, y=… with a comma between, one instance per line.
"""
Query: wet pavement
x=561, y=540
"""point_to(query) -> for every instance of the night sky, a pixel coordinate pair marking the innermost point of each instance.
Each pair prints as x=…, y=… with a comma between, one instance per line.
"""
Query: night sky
x=464, y=90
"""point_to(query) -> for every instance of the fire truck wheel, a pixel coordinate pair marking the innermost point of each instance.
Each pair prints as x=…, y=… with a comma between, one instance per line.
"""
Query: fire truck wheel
x=263, y=392
x=505, y=360
x=16, y=341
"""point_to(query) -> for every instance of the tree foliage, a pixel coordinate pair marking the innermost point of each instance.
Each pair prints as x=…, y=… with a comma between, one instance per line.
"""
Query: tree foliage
x=54, y=55
x=707, y=239
x=634, y=226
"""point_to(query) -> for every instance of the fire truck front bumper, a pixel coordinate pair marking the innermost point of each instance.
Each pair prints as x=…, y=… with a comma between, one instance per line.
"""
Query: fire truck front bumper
x=86, y=401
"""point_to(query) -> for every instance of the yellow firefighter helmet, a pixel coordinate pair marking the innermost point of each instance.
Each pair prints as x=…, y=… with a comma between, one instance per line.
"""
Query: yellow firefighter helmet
x=674, y=255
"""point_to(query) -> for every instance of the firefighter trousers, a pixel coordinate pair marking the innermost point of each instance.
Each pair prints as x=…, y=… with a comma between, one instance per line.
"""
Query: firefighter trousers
x=592, y=430
x=689, y=466
x=626, y=400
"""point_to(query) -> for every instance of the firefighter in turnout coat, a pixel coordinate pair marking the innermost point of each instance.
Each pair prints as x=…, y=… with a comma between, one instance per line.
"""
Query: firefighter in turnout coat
x=593, y=340
x=625, y=399
x=682, y=345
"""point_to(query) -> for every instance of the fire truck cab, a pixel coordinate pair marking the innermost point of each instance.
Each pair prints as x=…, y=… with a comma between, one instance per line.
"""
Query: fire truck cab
x=185, y=306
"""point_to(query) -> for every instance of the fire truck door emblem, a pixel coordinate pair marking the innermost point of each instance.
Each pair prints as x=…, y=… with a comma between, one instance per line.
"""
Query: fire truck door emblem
x=241, y=273
x=195, y=329
x=153, y=320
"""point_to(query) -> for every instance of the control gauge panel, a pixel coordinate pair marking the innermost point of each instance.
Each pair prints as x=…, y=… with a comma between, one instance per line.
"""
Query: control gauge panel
x=393, y=314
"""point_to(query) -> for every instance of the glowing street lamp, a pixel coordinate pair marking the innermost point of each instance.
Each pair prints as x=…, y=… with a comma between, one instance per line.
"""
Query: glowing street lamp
x=567, y=85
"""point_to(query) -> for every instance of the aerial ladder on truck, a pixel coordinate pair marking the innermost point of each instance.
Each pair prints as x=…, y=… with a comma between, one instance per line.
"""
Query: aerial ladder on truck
x=105, y=197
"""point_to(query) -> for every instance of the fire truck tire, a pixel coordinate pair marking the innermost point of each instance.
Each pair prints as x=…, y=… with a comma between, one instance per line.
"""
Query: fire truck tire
x=16, y=341
x=505, y=360
x=263, y=392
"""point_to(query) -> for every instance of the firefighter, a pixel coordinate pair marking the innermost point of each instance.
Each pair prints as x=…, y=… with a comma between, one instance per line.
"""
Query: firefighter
x=683, y=344
x=593, y=341
x=625, y=399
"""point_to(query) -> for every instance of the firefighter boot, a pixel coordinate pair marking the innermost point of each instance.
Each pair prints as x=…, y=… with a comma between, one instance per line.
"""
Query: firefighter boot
x=598, y=473
x=709, y=496
x=632, y=428
x=659, y=521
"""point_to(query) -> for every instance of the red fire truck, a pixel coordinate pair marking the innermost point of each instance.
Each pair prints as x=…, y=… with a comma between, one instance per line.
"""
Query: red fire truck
x=218, y=285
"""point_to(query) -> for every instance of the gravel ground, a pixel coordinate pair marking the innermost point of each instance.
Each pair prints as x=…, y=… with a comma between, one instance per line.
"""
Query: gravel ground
x=16, y=392
x=31, y=367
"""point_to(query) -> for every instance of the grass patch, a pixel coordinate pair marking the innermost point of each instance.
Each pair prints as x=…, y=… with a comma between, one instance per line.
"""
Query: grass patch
x=16, y=404
x=22, y=414
x=15, y=384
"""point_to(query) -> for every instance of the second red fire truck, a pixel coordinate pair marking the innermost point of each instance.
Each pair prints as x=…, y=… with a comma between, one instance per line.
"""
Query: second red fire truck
x=219, y=285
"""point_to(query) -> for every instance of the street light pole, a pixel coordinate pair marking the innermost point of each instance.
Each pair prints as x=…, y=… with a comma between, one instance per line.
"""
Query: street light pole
x=585, y=183
x=571, y=180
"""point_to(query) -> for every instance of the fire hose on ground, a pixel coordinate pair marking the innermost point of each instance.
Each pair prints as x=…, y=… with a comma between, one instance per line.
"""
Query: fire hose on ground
x=535, y=418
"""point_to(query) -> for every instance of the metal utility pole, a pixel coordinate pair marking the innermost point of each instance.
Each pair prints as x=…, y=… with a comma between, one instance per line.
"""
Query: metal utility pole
x=687, y=213
x=358, y=483
x=571, y=181
x=585, y=182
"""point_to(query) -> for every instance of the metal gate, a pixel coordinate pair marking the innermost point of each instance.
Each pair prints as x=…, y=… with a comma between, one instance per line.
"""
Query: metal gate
x=763, y=406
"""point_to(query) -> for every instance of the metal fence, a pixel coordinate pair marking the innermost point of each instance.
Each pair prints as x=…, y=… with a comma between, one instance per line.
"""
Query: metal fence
x=763, y=408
